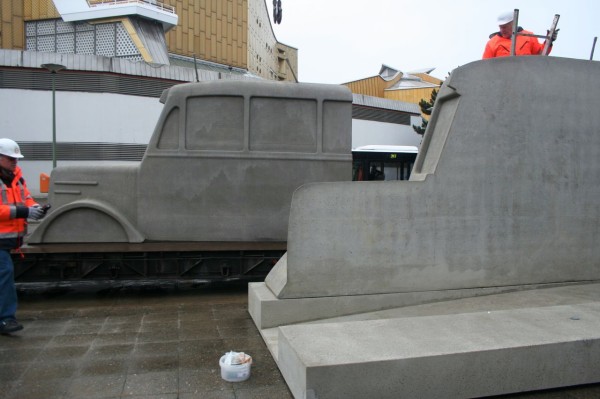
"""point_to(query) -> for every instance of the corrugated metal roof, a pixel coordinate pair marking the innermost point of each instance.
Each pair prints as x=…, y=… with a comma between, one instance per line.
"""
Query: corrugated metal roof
x=377, y=102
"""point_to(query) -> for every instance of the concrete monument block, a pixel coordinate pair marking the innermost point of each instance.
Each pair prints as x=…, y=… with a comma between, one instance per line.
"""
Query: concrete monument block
x=503, y=197
x=504, y=193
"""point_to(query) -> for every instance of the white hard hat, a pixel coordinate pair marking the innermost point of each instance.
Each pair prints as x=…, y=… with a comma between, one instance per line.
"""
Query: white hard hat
x=10, y=148
x=506, y=17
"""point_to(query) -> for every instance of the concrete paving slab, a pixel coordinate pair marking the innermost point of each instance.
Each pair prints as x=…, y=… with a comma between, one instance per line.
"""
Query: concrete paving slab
x=491, y=345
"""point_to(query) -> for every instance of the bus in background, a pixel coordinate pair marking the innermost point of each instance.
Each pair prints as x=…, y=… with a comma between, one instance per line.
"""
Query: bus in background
x=383, y=162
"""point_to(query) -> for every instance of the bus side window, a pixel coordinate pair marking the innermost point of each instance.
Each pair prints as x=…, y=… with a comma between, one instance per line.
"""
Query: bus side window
x=376, y=171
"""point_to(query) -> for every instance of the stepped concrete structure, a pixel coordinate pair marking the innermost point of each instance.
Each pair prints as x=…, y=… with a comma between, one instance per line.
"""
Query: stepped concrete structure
x=479, y=276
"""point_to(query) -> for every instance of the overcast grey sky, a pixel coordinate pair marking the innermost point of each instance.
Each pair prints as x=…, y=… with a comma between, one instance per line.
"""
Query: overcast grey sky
x=344, y=40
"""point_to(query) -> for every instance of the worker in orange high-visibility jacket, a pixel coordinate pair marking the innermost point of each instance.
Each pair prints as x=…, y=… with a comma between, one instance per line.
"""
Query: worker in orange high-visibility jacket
x=16, y=205
x=500, y=42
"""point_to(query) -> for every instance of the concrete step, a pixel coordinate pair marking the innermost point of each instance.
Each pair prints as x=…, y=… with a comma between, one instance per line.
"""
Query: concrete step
x=449, y=356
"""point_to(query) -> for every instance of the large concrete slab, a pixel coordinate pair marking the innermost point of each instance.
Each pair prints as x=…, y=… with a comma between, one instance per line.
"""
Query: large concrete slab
x=457, y=356
x=268, y=311
x=472, y=347
x=504, y=192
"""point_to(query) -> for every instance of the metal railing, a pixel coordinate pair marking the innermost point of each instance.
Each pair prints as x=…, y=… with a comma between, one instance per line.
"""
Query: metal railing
x=159, y=5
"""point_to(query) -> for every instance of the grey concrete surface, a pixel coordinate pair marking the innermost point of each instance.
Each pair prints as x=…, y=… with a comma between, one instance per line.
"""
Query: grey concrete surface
x=472, y=347
x=268, y=311
x=456, y=356
x=503, y=195
x=135, y=343
x=503, y=192
x=222, y=165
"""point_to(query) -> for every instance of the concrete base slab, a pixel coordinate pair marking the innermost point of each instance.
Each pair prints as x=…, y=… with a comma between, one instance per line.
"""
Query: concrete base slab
x=492, y=345
x=269, y=311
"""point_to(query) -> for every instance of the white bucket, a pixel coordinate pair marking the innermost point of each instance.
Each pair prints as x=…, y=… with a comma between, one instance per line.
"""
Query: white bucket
x=235, y=372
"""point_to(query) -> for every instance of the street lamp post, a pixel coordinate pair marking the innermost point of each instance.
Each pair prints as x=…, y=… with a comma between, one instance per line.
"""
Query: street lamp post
x=53, y=68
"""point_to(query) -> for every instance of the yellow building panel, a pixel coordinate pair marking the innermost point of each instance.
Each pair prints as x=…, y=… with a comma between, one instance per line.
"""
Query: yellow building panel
x=191, y=20
x=18, y=36
x=236, y=55
x=429, y=78
x=6, y=11
x=179, y=40
x=224, y=51
x=229, y=34
x=200, y=26
x=35, y=10
x=410, y=95
x=47, y=9
x=220, y=53
x=21, y=11
x=369, y=86
x=191, y=43
x=213, y=48
x=6, y=18
x=43, y=10
x=213, y=24
x=183, y=19
x=220, y=31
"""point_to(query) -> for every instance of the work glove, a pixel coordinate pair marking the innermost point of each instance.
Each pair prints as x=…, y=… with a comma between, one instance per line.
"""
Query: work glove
x=36, y=212
x=554, y=35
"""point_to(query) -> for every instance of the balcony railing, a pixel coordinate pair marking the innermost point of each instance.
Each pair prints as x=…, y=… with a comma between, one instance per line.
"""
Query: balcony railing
x=156, y=4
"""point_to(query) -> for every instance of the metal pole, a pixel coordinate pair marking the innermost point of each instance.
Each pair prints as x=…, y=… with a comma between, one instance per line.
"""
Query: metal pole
x=53, y=68
x=515, y=26
x=53, y=122
x=548, y=42
x=593, y=47
x=196, y=69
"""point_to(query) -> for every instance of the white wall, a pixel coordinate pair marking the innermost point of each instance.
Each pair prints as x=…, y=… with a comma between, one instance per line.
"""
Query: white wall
x=80, y=117
x=26, y=115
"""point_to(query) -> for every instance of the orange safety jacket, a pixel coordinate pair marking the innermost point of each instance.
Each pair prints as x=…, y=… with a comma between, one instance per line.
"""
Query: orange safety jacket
x=13, y=228
x=499, y=46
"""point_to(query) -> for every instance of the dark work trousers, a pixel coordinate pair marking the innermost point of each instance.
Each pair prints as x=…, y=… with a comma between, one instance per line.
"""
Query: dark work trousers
x=8, y=292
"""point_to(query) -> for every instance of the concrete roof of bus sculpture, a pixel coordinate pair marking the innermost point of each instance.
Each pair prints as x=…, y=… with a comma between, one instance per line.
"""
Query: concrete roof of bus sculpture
x=502, y=198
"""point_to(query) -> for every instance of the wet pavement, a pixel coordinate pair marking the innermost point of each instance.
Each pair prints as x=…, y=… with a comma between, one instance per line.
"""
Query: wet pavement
x=134, y=343
x=146, y=342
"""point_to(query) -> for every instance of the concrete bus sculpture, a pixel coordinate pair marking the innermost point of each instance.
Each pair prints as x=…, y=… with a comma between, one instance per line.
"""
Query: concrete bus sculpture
x=220, y=169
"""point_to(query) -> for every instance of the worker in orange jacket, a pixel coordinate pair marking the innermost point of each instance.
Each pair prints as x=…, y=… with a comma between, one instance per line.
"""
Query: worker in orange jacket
x=16, y=205
x=500, y=42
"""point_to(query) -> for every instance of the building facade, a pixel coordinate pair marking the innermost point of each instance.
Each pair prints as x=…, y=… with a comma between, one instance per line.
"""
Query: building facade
x=393, y=84
x=214, y=33
x=119, y=56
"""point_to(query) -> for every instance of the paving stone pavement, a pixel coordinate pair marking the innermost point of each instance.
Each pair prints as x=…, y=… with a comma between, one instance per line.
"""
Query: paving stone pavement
x=147, y=342
x=134, y=343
